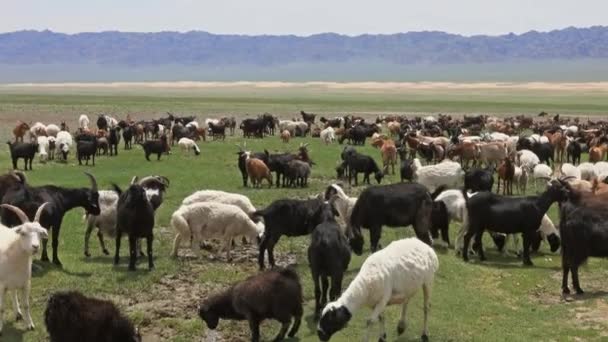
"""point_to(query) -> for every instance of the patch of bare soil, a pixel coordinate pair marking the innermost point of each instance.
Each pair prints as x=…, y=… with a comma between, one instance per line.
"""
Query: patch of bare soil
x=177, y=295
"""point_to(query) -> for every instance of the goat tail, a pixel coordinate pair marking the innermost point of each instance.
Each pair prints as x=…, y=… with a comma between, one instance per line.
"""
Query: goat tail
x=180, y=224
x=438, y=191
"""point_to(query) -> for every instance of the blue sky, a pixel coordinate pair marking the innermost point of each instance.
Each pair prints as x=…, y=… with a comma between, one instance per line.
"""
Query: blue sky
x=302, y=17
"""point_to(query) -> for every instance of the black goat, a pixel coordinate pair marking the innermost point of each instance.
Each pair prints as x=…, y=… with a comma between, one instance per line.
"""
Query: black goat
x=406, y=171
x=61, y=200
x=274, y=294
x=102, y=122
x=440, y=218
x=392, y=205
x=11, y=179
x=72, y=317
x=25, y=151
x=157, y=147
x=544, y=151
x=297, y=173
x=574, y=151
x=479, y=179
x=134, y=217
x=356, y=162
x=86, y=150
x=328, y=257
x=114, y=140
x=177, y=132
x=509, y=215
x=218, y=131
x=127, y=136
x=288, y=217
x=309, y=118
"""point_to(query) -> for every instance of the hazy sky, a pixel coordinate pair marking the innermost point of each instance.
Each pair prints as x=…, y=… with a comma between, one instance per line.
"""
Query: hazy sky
x=302, y=17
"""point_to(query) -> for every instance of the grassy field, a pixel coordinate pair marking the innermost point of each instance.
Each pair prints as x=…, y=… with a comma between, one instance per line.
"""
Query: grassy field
x=498, y=300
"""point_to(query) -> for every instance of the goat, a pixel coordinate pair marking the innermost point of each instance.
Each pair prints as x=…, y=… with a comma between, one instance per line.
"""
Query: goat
x=114, y=140
x=25, y=151
x=506, y=172
x=86, y=150
x=257, y=171
x=356, y=162
x=19, y=131
x=157, y=147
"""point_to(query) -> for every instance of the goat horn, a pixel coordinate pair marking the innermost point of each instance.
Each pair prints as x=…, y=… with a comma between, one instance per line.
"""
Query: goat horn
x=239, y=146
x=93, y=181
x=17, y=211
x=133, y=180
x=567, y=178
x=39, y=211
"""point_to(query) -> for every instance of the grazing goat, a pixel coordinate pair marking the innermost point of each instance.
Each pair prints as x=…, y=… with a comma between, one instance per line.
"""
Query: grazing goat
x=17, y=246
x=356, y=162
x=157, y=147
x=285, y=136
x=186, y=144
x=447, y=173
x=72, y=317
x=257, y=171
x=328, y=257
x=393, y=205
x=388, y=277
x=134, y=217
x=274, y=294
x=342, y=203
x=297, y=173
x=63, y=143
x=61, y=200
x=25, y=151
x=509, y=215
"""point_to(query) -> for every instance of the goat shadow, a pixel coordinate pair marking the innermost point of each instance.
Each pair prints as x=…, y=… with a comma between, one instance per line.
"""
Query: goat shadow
x=41, y=268
x=12, y=333
x=585, y=296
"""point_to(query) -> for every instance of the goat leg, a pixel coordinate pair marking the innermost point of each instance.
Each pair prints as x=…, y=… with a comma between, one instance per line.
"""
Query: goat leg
x=296, y=325
x=132, y=252
x=149, y=241
x=575, y=283
x=283, y=331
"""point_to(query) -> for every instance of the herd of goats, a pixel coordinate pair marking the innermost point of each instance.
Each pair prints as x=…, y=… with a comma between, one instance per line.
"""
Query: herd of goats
x=448, y=168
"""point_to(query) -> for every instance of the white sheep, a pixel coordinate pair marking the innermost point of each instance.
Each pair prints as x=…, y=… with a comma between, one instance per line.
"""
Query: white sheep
x=527, y=159
x=343, y=204
x=390, y=276
x=37, y=128
x=43, y=148
x=83, y=122
x=63, y=142
x=328, y=135
x=52, y=130
x=542, y=172
x=448, y=173
x=569, y=170
x=601, y=170
x=186, y=144
x=17, y=245
x=587, y=171
x=206, y=220
x=224, y=197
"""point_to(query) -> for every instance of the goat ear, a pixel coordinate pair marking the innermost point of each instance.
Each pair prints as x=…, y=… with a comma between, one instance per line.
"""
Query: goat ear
x=43, y=233
x=19, y=230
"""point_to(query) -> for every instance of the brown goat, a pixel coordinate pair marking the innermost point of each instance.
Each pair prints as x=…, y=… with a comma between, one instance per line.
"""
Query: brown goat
x=201, y=133
x=20, y=130
x=599, y=187
x=596, y=153
x=257, y=171
x=389, y=155
x=467, y=151
x=394, y=127
x=506, y=171
x=285, y=136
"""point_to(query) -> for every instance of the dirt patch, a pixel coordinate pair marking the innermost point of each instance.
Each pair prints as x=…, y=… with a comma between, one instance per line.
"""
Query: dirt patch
x=594, y=316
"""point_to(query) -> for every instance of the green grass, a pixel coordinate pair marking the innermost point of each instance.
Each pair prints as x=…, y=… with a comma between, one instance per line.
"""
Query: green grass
x=497, y=300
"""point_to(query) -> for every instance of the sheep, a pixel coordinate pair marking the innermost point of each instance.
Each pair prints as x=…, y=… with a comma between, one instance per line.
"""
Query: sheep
x=72, y=317
x=285, y=136
x=213, y=220
x=157, y=147
x=52, y=130
x=288, y=217
x=257, y=170
x=342, y=203
x=17, y=246
x=447, y=173
x=134, y=217
x=43, y=148
x=509, y=215
x=61, y=200
x=328, y=135
x=328, y=257
x=587, y=171
x=25, y=151
x=83, y=122
x=37, y=130
x=63, y=143
x=601, y=170
x=541, y=172
x=393, y=205
x=569, y=170
x=274, y=294
x=388, y=277
x=186, y=144
x=527, y=159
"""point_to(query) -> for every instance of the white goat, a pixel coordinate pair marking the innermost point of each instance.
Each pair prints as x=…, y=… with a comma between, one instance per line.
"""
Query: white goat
x=448, y=173
x=17, y=245
x=328, y=135
x=212, y=220
x=186, y=144
x=546, y=228
x=83, y=122
x=390, y=276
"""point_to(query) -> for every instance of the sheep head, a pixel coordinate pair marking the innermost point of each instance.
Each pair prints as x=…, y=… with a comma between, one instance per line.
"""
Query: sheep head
x=333, y=318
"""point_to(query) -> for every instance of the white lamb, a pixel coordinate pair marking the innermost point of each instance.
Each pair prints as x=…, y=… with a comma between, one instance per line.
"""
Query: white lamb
x=63, y=144
x=587, y=171
x=224, y=197
x=17, y=245
x=343, y=204
x=390, y=276
x=186, y=144
x=448, y=173
x=328, y=135
x=43, y=148
x=83, y=122
x=206, y=220
x=52, y=130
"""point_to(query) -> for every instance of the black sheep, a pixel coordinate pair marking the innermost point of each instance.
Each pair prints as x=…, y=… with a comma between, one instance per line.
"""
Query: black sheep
x=274, y=294
x=157, y=147
x=328, y=257
x=25, y=151
x=392, y=205
x=134, y=217
x=72, y=317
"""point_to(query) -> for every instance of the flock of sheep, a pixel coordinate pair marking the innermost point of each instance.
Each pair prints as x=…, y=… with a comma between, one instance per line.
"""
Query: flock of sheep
x=435, y=154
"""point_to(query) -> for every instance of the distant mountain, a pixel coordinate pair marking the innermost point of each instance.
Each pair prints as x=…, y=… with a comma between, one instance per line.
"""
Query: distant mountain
x=205, y=49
